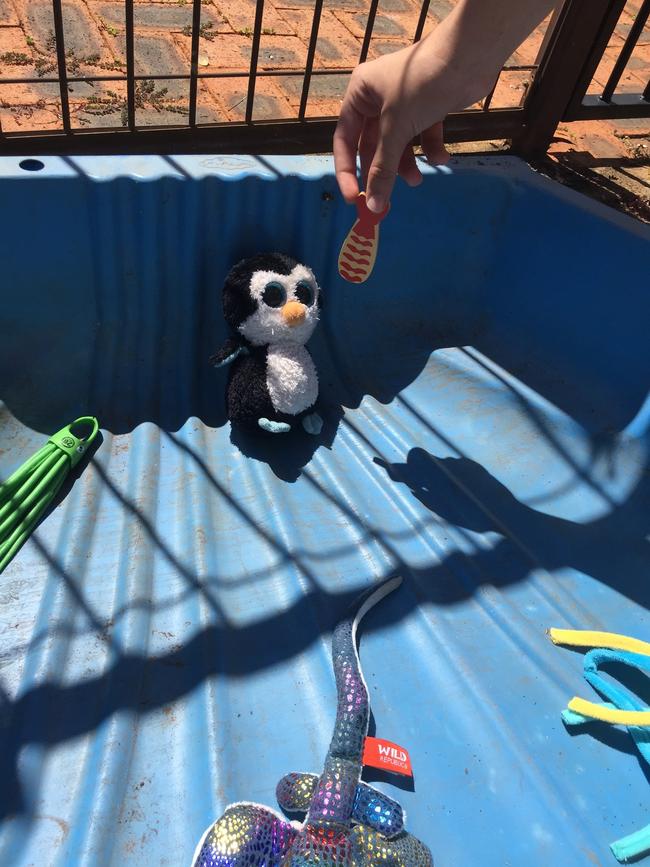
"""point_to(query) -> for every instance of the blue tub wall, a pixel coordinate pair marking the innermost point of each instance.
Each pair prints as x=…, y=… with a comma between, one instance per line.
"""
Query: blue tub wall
x=141, y=262
x=165, y=634
x=570, y=306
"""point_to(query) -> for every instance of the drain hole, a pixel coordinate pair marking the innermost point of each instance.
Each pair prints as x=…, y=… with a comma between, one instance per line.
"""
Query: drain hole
x=31, y=165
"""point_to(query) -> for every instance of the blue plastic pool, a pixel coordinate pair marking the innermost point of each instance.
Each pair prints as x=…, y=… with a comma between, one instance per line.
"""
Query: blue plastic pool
x=165, y=633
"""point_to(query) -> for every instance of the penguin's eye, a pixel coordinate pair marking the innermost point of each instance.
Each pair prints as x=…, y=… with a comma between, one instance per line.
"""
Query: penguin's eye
x=274, y=294
x=305, y=292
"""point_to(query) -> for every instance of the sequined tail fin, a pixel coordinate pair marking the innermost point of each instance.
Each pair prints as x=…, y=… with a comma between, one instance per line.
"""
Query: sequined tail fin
x=353, y=707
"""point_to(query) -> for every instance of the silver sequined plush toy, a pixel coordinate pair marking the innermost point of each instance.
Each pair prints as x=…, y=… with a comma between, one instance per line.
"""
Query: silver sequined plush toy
x=348, y=823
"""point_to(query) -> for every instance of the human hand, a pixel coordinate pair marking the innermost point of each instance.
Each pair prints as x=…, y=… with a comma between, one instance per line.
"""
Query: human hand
x=388, y=103
x=391, y=100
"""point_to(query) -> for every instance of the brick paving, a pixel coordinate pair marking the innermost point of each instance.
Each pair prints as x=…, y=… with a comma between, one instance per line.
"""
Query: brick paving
x=95, y=44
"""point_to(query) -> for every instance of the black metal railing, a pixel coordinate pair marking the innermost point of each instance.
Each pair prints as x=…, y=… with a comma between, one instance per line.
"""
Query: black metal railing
x=581, y=35
x=581, y=31
x=609, y=103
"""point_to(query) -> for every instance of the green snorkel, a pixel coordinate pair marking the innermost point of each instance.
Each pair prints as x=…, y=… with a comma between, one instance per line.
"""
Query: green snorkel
x=28, y=492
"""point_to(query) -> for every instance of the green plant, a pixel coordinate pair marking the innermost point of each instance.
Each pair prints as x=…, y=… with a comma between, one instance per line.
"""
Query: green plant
x=99, y=106
x=112, y=31
x=72, y=61
x=146, y=95
x=248, y=31
x=110, y=66
x=205, y=31
x=15, y=58
x=46, y=63
x=30, y=41
x=43, y=66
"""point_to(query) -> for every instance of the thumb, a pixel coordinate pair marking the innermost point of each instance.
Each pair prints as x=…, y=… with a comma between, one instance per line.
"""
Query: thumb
x=385, y=163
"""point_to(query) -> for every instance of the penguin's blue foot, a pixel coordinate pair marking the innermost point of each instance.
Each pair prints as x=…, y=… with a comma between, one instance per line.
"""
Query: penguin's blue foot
x=274, y=427
x=313, y=424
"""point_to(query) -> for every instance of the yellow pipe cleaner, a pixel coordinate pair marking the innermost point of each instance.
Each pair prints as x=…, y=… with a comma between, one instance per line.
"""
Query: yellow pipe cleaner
x=611, y=641
x=593, y=639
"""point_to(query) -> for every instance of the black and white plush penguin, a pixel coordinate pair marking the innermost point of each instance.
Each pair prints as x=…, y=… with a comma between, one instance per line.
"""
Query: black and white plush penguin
x=271, y=303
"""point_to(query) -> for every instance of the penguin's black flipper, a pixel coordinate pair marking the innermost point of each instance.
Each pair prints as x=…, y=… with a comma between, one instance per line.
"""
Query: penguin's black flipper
x=229, y=351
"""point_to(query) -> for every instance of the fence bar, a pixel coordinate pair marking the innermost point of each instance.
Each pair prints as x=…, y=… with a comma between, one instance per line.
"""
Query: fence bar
x=626, y=52
x=181, y=76
x=255, y=52
x=370, y=24
x=130, y=65
x=424, y=11
x=194, y=62
x=309, y=64
x=61, y=65
x=601, y=41
x=488, y=99
x=575, y=47
x=224, y=73
x=261, y=137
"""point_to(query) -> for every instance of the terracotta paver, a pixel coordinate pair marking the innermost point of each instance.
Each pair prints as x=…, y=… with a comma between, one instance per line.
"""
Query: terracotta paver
x=13, y=45
x=95, y=45
x=231, y=52
x=8, y=14
x=325, y=93
x=511, y=88
x=336, y=45
x=240, y=14
x=632, y=79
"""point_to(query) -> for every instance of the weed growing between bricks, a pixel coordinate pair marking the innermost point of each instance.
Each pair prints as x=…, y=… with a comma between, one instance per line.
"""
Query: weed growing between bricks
x=146, y=96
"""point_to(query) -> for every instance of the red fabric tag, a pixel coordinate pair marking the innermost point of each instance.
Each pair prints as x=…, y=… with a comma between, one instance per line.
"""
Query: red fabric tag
x=387, y=756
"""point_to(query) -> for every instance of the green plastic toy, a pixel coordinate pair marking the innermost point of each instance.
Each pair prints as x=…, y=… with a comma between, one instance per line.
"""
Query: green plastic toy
x=28, y=492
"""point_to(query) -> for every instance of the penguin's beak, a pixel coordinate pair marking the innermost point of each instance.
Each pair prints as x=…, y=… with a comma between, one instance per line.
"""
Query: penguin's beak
x=294, y=313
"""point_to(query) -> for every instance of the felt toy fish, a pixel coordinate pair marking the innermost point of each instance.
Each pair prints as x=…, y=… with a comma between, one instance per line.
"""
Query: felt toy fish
x=359, y=250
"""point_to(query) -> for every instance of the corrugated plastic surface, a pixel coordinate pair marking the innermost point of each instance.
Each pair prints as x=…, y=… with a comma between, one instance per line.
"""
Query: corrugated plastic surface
x=165, y=634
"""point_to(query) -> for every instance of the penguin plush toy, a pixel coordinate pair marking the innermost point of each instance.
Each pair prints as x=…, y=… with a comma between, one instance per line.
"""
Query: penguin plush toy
x=271, y=303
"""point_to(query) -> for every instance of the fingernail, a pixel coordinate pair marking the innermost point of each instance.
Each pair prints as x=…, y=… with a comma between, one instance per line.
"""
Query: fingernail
x=375, y=204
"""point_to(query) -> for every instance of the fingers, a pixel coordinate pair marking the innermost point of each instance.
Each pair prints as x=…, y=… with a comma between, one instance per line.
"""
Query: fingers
x=386, y=162
x=408, y=168
x=368, y=146
x=345, y=145
x=433, y=145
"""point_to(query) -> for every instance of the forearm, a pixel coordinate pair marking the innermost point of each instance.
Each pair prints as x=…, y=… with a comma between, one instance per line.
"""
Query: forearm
x=478, y=36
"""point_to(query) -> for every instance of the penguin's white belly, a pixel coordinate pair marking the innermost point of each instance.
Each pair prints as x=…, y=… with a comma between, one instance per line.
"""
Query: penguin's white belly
x=291, y=378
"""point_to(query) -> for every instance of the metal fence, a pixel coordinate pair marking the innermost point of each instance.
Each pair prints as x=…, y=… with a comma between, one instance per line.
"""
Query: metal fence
x=576, y=40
